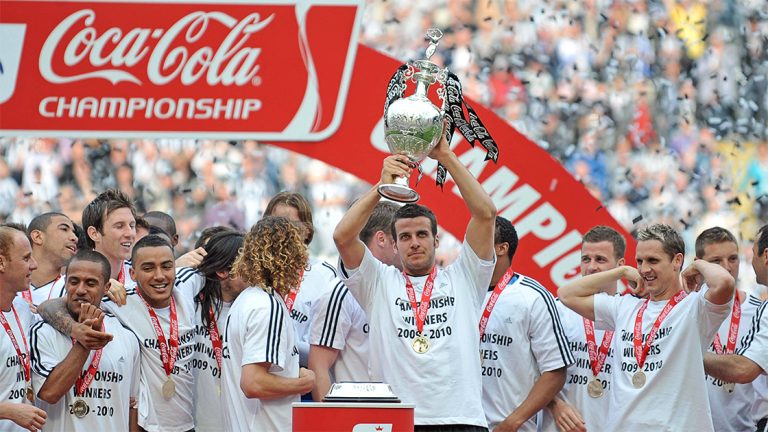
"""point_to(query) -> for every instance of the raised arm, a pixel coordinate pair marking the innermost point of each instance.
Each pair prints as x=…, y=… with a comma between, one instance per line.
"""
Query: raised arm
x=732, y=368
x=721, y=284
x=346, y=234
x=579, y=295
x=55, y=313
x=257, y=382
x=483, y=212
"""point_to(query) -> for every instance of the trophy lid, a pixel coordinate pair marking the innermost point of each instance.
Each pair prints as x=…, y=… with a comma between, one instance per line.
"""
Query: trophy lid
x=361, y=392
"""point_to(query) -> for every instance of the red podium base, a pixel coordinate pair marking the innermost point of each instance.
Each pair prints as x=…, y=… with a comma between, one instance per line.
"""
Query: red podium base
x=352, y=417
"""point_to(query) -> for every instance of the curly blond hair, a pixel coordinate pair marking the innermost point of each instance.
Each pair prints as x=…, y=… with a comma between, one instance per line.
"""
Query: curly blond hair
x=273, y=255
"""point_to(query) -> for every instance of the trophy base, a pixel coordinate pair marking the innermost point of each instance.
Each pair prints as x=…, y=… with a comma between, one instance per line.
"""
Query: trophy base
x=398, y=193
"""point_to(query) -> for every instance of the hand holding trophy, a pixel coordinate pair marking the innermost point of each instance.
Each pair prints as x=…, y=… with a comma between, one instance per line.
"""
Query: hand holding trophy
x=413, y=126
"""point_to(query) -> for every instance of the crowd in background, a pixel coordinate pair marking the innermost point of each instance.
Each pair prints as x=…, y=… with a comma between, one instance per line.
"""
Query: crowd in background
x=659, y=107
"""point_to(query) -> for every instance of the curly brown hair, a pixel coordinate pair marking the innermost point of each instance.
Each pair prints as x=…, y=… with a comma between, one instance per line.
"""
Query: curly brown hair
x=273, y=255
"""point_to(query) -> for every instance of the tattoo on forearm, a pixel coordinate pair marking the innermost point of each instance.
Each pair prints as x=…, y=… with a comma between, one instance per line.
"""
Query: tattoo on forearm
x=55, y=313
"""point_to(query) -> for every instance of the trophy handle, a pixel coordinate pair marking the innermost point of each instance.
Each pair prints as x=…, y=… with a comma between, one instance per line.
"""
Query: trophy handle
x=399, y=191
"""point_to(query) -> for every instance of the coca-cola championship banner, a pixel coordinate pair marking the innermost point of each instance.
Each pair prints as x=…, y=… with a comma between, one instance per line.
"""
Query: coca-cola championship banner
x=290, y=75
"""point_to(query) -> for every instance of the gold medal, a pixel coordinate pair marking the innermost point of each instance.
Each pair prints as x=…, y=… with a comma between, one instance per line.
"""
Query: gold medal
x=169, y=388
x=729, y=387
x=420, y=344
x=30, y=394
x=80, y=409
x=595, y=388
x=638, y=379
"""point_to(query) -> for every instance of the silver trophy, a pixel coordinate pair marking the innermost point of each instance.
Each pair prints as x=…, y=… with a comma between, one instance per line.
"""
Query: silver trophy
x=414, y=125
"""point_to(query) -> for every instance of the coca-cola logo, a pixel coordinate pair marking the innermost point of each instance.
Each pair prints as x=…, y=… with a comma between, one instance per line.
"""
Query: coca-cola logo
x=114, y=53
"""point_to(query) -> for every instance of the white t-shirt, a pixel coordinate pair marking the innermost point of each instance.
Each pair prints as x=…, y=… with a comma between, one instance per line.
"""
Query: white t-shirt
x=129, y=284
x=522, y=340
x=258, y=330
x=674, y=397
x=732, y=411
x=155, y=412
x=754, y=346
x=12, y=373
x=317, y=280
x=108, y=396
x=339, y=322
x=444, y=383
x=594, y=411
x=53, y=289
x=209, y=414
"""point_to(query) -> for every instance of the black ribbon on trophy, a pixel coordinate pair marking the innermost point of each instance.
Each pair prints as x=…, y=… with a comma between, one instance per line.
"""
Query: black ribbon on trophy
x=412, y=125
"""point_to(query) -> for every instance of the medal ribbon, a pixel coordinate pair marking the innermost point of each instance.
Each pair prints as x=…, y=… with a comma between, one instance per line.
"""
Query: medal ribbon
x=85, y=381
x=27, y=295
x=24, y=360
x=733, y=330
x=290, y=299
x=596, y=357
x=213, y=330
x=503, y=282
x=420, y=312
x=168, y=351
x=53, y=284
x=641, y=350
x=121, y=275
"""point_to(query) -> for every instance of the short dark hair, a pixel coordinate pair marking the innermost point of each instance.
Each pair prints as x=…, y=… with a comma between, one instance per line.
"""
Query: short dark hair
x=82, y=237
x=92, y=256
x=151, y=240
x=411, y=211
x=670, y=239
x=161, y=220
x=601, y=233
x=762, y=239
x=713, y=235
x=142, y=223
x=505, y=232
x=41, y=222
x=379, y=220
x=297, y=201
x=97, y=210
x=208, y=233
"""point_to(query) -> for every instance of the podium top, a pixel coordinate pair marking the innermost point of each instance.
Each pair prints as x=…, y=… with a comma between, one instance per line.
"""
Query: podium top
x=352, y=405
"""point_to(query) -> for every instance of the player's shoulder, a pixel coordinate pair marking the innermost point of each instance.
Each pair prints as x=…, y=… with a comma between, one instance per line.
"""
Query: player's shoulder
x=322, y=269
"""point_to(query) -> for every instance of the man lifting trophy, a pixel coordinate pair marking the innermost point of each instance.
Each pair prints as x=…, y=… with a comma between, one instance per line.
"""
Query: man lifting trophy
x=414, y=126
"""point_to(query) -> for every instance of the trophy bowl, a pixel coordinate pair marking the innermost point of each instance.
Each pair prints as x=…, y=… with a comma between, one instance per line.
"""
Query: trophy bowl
x=413, y=126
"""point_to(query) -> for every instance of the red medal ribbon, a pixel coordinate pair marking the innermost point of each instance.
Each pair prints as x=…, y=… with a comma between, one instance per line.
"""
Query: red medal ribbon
x=733, y=330
x=420, y=311
x=213, y=331
x=85, y=381
x=168, y=351
x=121, y=275
x=503, y=282
x=27, y=295
x=24, y=360
x=53, y=284
x=641, y=351
x=290, y=299
x=596, y=357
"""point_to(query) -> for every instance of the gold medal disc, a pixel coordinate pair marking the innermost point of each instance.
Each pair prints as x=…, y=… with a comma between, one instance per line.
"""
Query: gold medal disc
x=80, y=409
x=729, y=387
x=595, y=388
x=420, y=344
x=169, y=389
x=638, y=379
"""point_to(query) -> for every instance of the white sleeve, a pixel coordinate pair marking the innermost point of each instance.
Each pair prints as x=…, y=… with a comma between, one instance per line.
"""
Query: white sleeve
x=710, y=317
x=262, y=339
x=362, y=281
x=189, y=282
x=755, y=343
x=548, y=340
x=477, y=270
x=44, y=353
x=136, y=379
x=606, y=310
x=331, y=319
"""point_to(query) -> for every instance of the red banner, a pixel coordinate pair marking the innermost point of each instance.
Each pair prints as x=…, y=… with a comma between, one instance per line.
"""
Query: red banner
x=270, y=70
x=121, y=69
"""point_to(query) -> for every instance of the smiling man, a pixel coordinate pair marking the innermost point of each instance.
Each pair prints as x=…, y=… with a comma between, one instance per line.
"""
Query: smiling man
x=110, y=224
x=81, y=389
x=424, y=340
x=162, y=318
x=53, y=244
x=660, y=341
